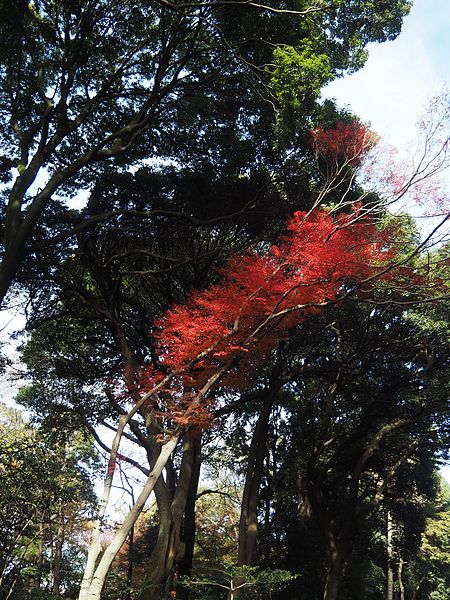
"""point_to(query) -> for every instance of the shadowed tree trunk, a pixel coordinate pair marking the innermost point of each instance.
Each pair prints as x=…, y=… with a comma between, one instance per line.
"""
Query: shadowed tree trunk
x=248, y=522
x=40, y=553
x=170, y=548
x=338, y=554
x=130, y=564
x=189, y=525
x=400, y=578
x=57, y=565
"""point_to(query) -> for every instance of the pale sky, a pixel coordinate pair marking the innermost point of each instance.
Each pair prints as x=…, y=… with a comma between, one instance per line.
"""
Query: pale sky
x=392, y=89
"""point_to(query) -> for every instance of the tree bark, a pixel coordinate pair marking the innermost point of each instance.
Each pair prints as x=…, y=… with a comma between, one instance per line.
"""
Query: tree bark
x=170, y=548
x=248, y=522
x=57, y=565
x=189, y=524
x=93, y=592
x=400, y=578
x=130, y=564
x=40, y=557
x=336, y=568
x=389, y=552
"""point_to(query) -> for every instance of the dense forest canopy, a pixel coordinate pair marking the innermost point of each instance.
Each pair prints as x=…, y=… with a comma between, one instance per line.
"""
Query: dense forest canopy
x=238, y=328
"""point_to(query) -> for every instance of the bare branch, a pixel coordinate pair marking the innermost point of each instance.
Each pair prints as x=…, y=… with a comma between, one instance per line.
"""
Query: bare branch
x=263, y=7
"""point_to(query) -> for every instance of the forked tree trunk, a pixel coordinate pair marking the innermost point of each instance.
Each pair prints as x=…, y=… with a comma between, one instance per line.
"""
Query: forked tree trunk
x=93, y=585
x=336, y=568
x=169, y=549
x=95, y=574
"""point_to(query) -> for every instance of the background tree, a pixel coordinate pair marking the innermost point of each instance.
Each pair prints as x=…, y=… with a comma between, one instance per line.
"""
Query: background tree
x=93, y=94
x=46, y=502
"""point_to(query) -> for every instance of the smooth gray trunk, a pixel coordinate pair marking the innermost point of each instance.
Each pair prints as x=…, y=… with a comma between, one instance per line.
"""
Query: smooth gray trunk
x=94, y=590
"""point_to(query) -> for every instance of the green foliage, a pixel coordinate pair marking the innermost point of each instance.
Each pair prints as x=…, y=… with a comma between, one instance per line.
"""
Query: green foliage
x=45, y=477
x=436, y=540
x=428, y=570
x=232, y=577
x=297, y=77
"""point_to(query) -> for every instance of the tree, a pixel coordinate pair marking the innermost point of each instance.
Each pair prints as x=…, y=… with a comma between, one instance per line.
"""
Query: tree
x=106, y=302
x=434, y=550
x=47, y=496
x=249, y=578
x=204, y=340
x=360, y=427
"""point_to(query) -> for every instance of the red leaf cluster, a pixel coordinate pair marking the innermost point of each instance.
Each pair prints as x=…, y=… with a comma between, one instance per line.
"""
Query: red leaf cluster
x=344, y=143
x=263, y=294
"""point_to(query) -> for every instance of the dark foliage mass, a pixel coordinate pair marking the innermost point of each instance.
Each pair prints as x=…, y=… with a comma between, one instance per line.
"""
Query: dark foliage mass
x=207, y=283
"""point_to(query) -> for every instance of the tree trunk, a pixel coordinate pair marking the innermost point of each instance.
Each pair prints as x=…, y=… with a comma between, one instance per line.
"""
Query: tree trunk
x=130, y=565
x=189, y=525
x=336, y=569
x=248, y=522
x=97, y=581
x=157, y=569
x=389, y=552
x=19, y=225
x=400, y=578
x=57, y=565
x=95, y=575
x=170, y=548
x=40, y=554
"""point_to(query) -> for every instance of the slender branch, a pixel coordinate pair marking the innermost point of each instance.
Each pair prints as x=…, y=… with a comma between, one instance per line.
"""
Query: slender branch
x=127, y=459
x=250, y=3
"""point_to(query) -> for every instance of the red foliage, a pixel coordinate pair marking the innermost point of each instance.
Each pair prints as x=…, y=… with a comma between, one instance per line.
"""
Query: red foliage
x=260, y=297
x=345, y=143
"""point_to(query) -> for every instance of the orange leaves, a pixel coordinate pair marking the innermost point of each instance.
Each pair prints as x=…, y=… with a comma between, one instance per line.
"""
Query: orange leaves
x=234, y=324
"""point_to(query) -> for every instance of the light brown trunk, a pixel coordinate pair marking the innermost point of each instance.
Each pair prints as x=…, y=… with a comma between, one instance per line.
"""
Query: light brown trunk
x=400, y=579
x=389, y=552
x=93, y=592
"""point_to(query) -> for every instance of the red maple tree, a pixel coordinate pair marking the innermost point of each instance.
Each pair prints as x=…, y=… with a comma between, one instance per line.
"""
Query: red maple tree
x=345, y=143
x=232, y=326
